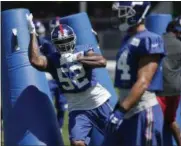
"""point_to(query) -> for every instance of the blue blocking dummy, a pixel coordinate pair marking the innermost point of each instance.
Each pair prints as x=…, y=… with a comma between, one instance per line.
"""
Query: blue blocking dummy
x=83, y=29
x=158, y=23
x=28, y=114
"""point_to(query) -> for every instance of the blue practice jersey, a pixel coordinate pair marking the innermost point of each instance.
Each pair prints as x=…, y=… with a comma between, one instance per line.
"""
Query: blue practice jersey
x=72, y=77
x=132, y=49
x=46, y=46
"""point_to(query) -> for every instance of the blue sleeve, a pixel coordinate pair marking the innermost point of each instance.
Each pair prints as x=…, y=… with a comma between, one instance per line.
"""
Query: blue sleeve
x=151, y=45
x=85, y=48
x=50, y=59
x=89, y=48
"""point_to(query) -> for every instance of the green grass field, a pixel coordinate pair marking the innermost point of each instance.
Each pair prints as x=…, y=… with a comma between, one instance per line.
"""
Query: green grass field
x=65, y=133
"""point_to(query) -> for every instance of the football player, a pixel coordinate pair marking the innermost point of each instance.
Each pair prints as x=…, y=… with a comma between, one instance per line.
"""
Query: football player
x=45, y=45
x=53, y=23
x=46, y=48
x=73, y=67
x=40, y=28
x=137, y=119
x=169, y=98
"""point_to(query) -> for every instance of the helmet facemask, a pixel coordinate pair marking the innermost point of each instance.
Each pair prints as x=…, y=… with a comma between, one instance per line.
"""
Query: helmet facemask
x=129, y=16
x=65, y=45
x=121, y=16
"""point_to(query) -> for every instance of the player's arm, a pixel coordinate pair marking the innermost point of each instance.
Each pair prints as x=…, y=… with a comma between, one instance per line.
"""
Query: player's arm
x=147, y=68
x=38, y=61
x=92, y=60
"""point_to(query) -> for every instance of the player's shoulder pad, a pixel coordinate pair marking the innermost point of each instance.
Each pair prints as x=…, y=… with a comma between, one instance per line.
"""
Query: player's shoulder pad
x=147, y=39
x=152, y=40
x=148, y=42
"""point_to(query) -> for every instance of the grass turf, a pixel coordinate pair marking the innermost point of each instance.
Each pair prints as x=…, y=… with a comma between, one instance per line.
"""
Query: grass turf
x=65, y=133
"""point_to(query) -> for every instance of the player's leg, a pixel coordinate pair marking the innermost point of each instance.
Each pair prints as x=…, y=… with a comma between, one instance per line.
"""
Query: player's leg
x=170, y=118
x=169, y=107
x=176, y=132
x=99, y=116
x=137, y=130
x=59, y=101
x=61, y=106
x=145, y=128
x=141, y=129
x=53, y=86
x=79, y=128
x=157, y=129
x=86, y=120
x=129, y=133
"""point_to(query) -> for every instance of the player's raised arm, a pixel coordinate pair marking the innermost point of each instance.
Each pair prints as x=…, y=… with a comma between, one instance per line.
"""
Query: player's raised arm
x=38, y=61
x=147, y=67
x=92, y=59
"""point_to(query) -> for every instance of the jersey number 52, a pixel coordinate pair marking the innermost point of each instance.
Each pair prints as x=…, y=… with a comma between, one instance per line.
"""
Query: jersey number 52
x=78, y=79
x=123, y=66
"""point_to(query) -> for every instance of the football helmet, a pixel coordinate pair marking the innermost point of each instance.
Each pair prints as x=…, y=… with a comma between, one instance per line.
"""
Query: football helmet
x=40, y=28
x=129, y=13
x=64, y=38
x=53, y=23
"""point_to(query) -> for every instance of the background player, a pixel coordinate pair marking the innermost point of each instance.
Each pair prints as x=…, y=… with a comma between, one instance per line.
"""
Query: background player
x=46, y=48
x=137, y=119
x=53, y=23
x=170, y=96
x=73, y=67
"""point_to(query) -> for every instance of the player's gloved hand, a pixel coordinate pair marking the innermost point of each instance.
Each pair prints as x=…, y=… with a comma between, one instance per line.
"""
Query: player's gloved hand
x=67, y=58
x=31, y=25
x=70, y=57
x=115, y=119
